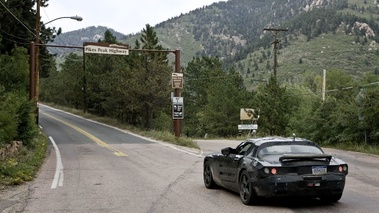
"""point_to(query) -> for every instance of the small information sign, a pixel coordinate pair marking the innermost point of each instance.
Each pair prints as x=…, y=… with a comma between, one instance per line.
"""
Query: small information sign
x=177, y=108
x=248, y=127
x=177, y=80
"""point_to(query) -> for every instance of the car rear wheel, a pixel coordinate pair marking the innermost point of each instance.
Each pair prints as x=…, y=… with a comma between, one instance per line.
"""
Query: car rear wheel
x=208, y=178
x=247, y=193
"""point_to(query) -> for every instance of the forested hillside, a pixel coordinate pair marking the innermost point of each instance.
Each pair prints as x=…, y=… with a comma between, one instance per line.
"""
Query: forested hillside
x=318, y=31
x=321, y=35
x=227, y=61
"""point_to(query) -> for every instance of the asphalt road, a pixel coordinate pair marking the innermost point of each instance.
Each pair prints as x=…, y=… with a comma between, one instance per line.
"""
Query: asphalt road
x=92, y=167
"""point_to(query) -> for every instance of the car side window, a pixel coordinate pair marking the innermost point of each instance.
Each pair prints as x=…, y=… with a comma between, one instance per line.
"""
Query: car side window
x=243, y=149
x=254, y=151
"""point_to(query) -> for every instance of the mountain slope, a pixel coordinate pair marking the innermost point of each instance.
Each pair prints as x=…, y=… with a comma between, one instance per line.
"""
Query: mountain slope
x=322, y=34
x=77, y=37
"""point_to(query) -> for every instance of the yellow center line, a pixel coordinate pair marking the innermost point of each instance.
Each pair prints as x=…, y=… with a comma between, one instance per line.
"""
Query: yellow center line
x=90, y=136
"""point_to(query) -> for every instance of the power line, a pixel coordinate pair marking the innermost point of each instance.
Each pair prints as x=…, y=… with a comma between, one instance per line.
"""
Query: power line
x=24, y=39
x=218, y=77
x=338, y=89
x=14, y=41
x=18, y=19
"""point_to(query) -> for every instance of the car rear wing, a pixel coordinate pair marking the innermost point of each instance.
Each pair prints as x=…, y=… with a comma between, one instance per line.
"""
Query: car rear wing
x=305, y=157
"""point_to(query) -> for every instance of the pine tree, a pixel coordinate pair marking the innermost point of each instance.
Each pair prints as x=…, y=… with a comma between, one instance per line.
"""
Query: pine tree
x=274, y=106
x=151, y=76
x=20, y=31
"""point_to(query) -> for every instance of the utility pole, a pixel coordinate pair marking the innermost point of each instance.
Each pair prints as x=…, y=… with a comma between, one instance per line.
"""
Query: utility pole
x=37, y=62
x=36, y=58
x=276, y=42
x=32, y=75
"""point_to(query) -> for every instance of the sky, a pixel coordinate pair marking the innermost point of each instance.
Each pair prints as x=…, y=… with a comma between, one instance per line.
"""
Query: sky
x=124, y=16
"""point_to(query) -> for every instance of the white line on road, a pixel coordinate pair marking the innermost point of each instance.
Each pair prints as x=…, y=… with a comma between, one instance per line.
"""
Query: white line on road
x=58, y=177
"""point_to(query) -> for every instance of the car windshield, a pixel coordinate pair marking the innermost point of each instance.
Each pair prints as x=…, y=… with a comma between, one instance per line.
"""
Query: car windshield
x=289, y=149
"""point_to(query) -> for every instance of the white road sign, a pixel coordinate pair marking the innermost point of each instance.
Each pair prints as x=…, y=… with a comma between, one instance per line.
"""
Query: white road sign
x=105, y=50
x=248, y=126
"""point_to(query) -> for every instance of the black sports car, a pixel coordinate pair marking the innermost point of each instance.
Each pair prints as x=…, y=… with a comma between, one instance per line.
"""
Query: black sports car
x=276, y=167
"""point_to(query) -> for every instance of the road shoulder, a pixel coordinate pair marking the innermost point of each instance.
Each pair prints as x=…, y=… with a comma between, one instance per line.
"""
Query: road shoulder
x=14, y=198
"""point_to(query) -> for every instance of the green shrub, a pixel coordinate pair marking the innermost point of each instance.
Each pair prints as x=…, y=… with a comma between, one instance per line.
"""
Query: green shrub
x=27, y=128
x=24, y=165
x=8, y=119
x=17, y=121
x=8, y=127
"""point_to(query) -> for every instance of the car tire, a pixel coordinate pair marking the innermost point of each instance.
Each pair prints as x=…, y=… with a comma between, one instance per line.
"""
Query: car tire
x=331, y=198
x=247, y=193
x=208, y=177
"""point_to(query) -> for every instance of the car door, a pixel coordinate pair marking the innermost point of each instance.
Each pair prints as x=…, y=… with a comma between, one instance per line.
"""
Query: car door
x=232, y=161
x=223, y=162
x=217, y=167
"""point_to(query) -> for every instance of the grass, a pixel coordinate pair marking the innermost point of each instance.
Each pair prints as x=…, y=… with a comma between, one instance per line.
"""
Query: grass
x=355, y=147
x=364, y=148
x=24, y=165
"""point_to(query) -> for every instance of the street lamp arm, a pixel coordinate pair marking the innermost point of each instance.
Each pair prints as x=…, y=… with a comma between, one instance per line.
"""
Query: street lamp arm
x=78, y=18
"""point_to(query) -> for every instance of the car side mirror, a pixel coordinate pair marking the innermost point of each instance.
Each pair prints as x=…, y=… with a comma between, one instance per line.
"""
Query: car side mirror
x=226, y=151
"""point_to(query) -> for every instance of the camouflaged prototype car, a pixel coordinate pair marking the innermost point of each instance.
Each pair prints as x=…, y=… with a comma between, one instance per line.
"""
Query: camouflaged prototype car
x=276, y=167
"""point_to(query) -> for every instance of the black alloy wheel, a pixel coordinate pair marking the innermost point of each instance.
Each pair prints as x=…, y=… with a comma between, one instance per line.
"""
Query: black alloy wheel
x=247, y=193
x=208, y=178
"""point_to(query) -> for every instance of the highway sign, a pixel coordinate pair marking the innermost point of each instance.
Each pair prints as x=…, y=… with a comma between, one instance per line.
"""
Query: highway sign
x=105, y=50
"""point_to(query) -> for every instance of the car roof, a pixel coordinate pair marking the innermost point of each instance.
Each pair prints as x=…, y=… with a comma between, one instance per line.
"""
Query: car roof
x=276, y=139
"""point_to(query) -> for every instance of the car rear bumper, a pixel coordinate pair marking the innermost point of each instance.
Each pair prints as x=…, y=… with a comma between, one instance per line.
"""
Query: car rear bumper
x=300, y=185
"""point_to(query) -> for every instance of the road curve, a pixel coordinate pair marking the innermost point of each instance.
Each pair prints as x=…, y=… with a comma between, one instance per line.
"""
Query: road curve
x=105, y=169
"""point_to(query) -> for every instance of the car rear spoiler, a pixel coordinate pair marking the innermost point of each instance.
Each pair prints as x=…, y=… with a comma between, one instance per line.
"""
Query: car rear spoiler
x=305, y=157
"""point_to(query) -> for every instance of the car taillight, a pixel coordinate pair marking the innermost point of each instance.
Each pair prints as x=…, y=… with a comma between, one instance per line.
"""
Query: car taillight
x=342, y=168
x=274, y=171
x=268, y=171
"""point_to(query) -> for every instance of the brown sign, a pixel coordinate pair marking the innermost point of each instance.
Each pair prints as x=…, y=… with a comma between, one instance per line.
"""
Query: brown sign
x=247, y=114
x=177, y=80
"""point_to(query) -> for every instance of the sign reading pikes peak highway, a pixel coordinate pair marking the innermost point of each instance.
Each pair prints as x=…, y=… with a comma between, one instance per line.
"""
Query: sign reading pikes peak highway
x=104, y=48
